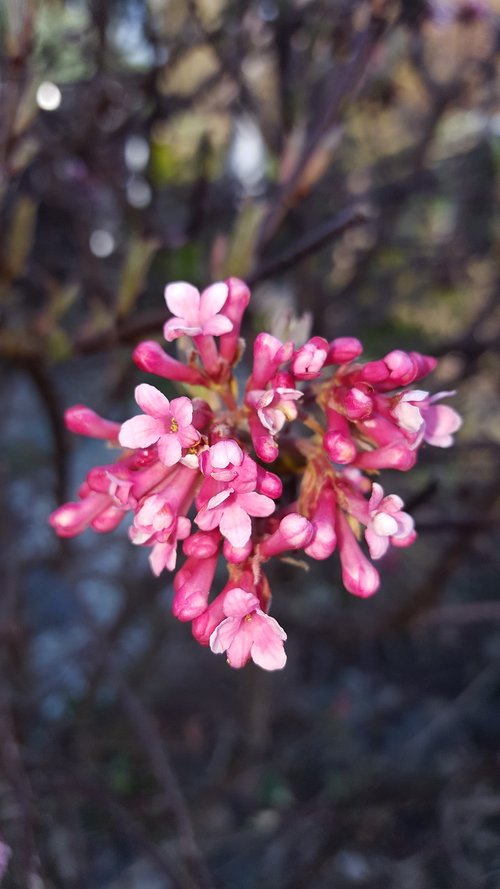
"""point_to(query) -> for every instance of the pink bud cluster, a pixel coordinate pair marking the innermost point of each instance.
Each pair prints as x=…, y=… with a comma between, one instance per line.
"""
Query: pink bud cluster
x=190, y=471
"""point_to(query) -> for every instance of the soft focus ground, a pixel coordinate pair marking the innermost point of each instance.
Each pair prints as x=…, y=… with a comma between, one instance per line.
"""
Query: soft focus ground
x=349, y=167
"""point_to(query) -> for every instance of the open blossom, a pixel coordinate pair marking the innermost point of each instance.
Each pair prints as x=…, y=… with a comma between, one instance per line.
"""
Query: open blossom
x=274, y=406
x=387, y=523
x=247, y=632
x=196, y=314
x=165, y=423
x=308, y=361
x=417, y=413
x=229, y=503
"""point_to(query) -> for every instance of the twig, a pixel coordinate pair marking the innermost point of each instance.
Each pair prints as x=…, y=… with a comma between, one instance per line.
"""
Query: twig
x=15, y=775
x=344, y=84
x=455, y=711
x=466, y=613
x=321, y=236
x=152, y=322
x=146, y=728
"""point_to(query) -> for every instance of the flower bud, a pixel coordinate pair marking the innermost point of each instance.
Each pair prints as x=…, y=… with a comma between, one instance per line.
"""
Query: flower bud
x=84, y=421
x=149, y=356
x=343, y=349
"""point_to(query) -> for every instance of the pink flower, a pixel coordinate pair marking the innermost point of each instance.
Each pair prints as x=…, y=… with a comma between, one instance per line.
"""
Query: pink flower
x=84, y=421
x=234, y=309
x=247, y=632
x=150, y=356
x=343, y=349
x=358, y=574
x=417, y=414
x=163, y=532
x=294, y=532
x=308, y=361
x=71, y=519
x=196, y=315
x=387, y=523
x=354, y=402
x=323, y=519
x=221, y=460
x=227, y=496
x=398, y=456
x=192, y=585
x=268, y=353
x=338, y=442
x=274, y=406
x=165, y=423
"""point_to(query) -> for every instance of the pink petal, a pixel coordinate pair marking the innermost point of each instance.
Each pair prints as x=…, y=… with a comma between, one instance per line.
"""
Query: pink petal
x=217, y=325
x=169, y=450
x=238, y=652
x=163, y=555
x=384, y=525
x=182, y=410
x=408, y=417
x=183, y=300
x=140, y=431
x=219, y=498
x=239, y=603
x=392, y=504
x=415, y=395
x=376, y=497
x=225, y=452
x=406, y=527
x=188, y=437
x=439, y=395
x=211, y=302
x=208, y=519
x=236, y=525
x=224, y=634
x=176, y=327
x=256, y=504
x=440, y=424
x=267, y=649
x=152, y=401
x=377, y=545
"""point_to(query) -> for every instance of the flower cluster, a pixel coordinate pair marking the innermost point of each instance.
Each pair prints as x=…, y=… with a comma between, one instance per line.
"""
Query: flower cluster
x=191, y=472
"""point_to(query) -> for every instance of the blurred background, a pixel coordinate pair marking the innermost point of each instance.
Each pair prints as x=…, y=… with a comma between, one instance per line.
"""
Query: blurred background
x=343, y=156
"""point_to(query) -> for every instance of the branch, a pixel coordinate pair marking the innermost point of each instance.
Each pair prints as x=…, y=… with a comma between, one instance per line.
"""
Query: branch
x=146, y=728
x=344, y=84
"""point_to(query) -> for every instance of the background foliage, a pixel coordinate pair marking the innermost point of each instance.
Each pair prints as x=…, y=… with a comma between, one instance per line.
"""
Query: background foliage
x=342, y=156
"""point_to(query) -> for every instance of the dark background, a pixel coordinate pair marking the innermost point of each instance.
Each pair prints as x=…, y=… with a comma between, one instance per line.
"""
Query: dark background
x=344, y=158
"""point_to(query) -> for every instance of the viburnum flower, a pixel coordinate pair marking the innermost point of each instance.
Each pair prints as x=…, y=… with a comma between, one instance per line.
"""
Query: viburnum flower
x=165, y=423
x=229, y=504
x=324, y=418
x=274, y=406
x=417, y=413
x=196, y=314
x=387, y=523
x=247, y=632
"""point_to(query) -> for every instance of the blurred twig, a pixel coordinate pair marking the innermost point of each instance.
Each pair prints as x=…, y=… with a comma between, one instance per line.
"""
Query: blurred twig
x=15, y=774
x=144, y=725
x=343, y=85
